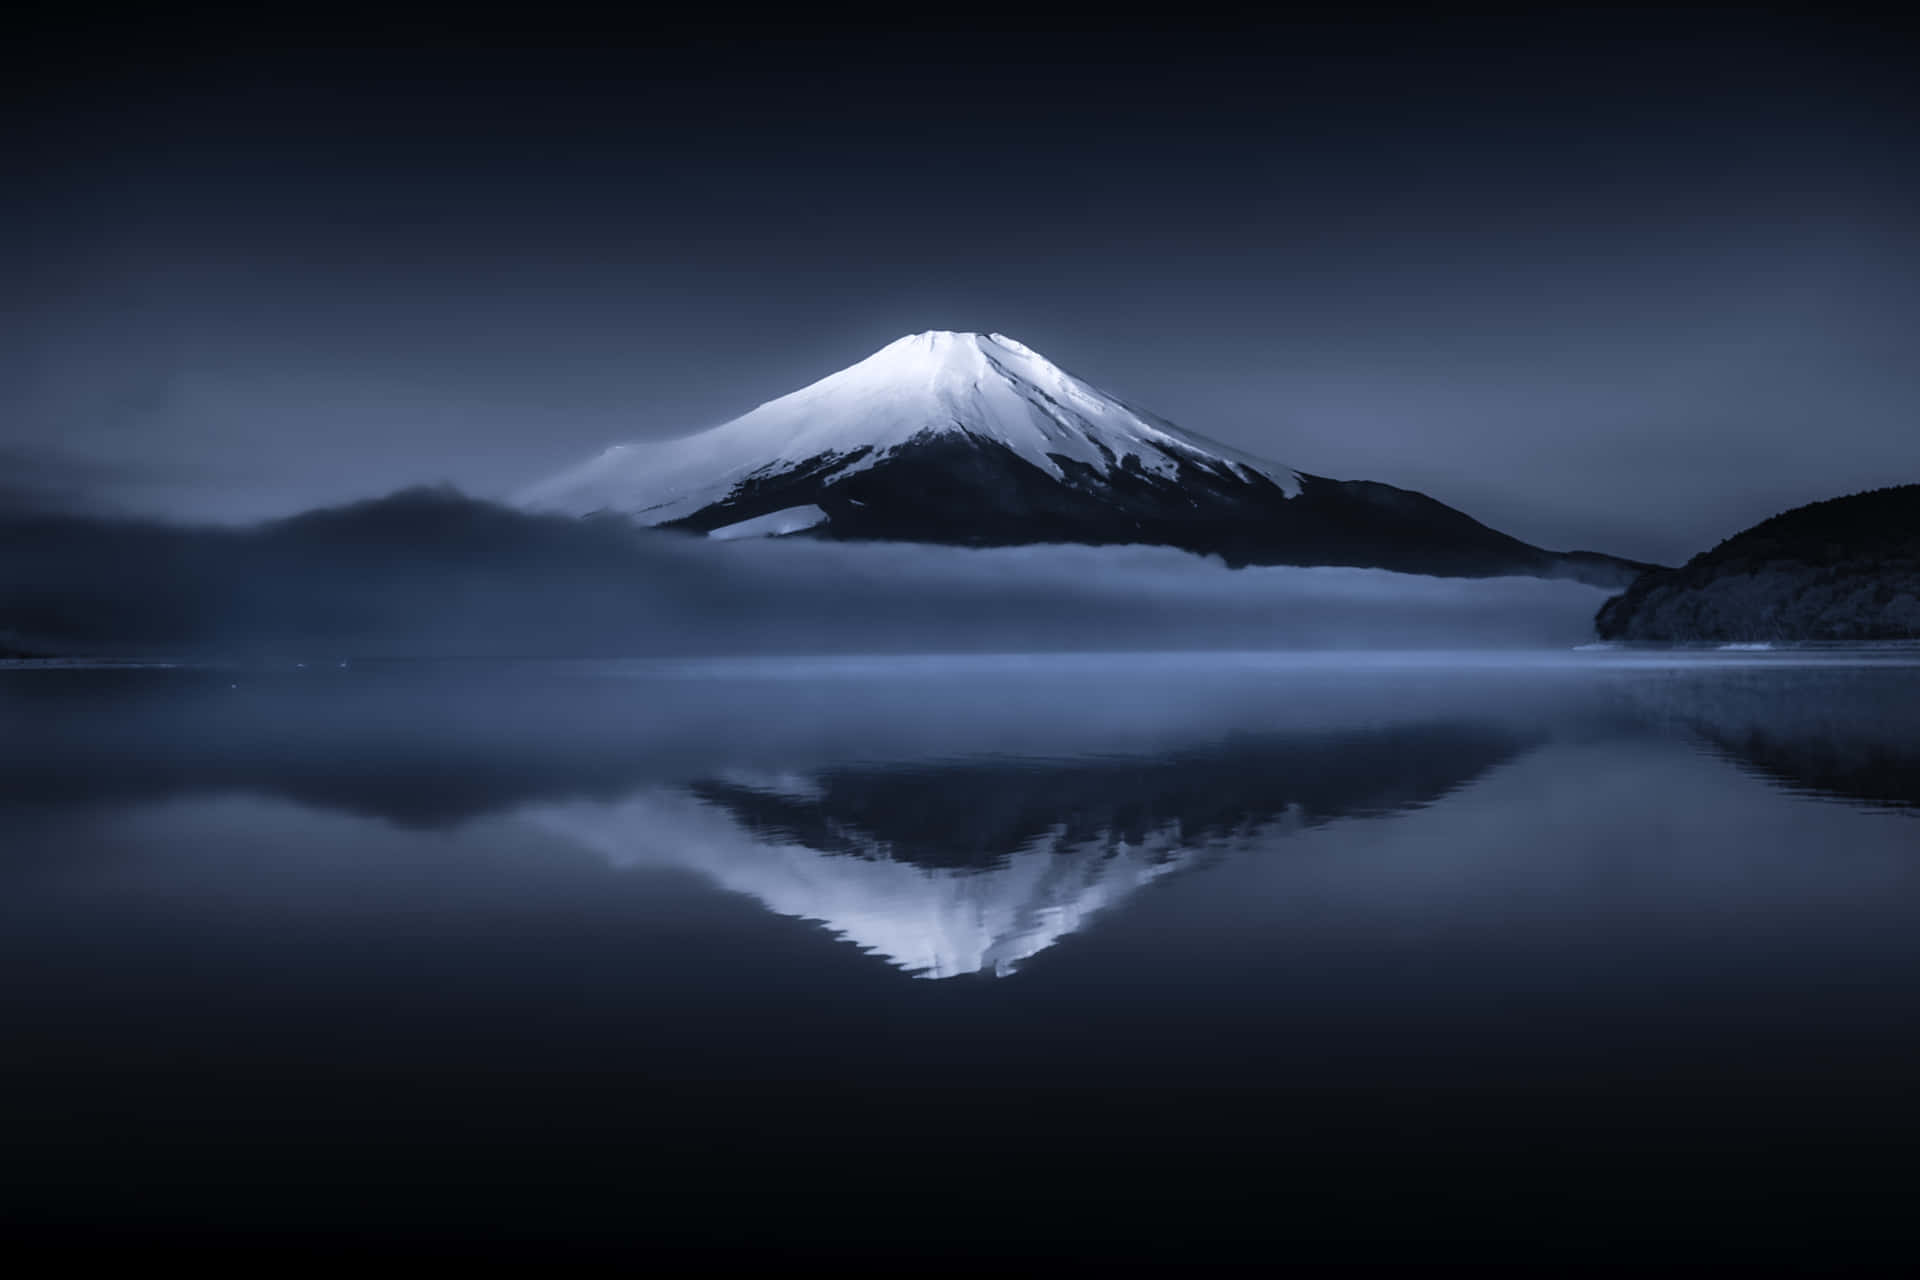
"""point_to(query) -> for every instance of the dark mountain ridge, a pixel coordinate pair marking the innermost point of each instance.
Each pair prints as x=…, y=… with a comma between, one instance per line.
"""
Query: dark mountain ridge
x=1845, y=569
x=957, y=488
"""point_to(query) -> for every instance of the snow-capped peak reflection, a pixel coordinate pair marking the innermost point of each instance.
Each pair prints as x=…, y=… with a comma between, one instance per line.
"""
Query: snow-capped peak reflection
x=966, y=864
x=933, y=922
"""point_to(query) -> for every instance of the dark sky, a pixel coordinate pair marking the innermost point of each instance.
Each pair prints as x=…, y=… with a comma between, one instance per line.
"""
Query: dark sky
x=1627, y=281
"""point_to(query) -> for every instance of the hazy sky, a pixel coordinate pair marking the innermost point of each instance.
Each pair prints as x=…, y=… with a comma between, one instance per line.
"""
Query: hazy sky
x=1627, y=282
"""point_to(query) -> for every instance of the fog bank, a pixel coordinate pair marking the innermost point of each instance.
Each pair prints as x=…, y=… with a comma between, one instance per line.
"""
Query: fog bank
x=433, y=574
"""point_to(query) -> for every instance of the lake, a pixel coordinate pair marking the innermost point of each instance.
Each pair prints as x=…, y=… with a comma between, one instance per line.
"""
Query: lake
x=1044, y=960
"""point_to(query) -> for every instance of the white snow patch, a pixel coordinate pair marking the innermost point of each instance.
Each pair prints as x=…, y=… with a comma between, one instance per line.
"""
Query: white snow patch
x=773, y=524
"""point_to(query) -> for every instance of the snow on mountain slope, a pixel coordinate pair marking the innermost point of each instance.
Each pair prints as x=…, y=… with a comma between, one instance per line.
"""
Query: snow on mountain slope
x=772, y=525
x=989, y=387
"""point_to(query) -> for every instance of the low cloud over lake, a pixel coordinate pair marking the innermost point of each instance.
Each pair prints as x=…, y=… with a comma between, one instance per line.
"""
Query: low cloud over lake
x=429, y=573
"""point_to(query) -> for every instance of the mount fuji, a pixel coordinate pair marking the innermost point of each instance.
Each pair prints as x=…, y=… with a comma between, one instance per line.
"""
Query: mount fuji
x=978, y=440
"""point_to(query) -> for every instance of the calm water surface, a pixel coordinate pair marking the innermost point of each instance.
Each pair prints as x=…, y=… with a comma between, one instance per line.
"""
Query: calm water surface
x=1054, y=960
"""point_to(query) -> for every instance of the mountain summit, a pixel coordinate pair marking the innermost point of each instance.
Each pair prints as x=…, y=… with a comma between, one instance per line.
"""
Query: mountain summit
x=976, y=439
x=985, y=388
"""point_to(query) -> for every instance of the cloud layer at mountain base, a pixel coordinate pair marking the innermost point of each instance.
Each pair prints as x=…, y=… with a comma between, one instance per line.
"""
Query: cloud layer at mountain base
x=433, y=574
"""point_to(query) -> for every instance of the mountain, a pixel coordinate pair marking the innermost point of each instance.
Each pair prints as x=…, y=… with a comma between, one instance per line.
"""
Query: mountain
x=978, y=440
x=1847, y=569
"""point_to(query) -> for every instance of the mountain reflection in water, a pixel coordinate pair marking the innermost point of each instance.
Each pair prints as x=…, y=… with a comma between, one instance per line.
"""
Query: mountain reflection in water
x=879, y=802
x=616, y=953
x=1833, y=731
x=950, y=820
x=961, y=866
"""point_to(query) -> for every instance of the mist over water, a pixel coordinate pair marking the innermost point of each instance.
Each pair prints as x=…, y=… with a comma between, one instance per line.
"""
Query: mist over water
x=499, y=955
x=430, y=574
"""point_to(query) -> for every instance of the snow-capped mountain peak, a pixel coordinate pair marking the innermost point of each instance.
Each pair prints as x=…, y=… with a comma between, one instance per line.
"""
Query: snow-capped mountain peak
x=986, y=387
x=968, y=439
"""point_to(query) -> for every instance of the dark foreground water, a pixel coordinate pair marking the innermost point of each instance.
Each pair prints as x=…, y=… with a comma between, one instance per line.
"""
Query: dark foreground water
x=1009, y=962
